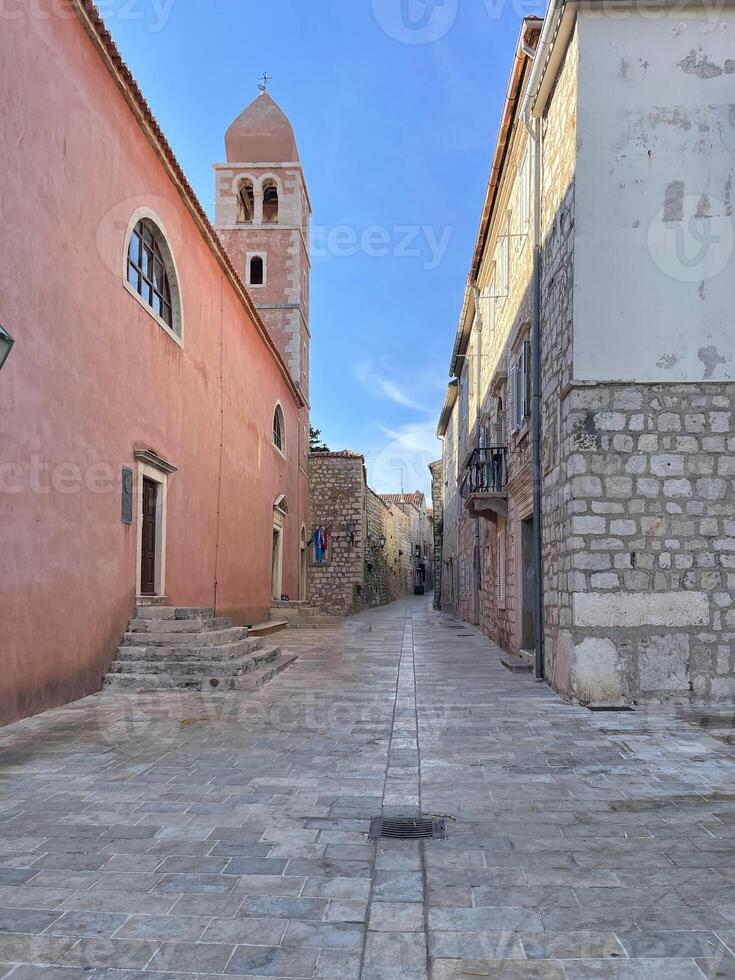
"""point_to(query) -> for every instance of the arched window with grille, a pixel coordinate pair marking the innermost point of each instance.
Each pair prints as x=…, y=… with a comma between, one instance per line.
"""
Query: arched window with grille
x=279, y=429
x=151, y=275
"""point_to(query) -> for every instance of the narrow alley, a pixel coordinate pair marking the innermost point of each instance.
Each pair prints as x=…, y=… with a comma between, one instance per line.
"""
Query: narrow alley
x=184, y=835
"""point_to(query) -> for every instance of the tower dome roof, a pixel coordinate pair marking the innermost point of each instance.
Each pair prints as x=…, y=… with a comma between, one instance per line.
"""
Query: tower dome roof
x=261, y=134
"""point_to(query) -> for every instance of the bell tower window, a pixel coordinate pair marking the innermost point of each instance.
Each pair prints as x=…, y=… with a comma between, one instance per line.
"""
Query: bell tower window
x=270, y=203
x=245, y=203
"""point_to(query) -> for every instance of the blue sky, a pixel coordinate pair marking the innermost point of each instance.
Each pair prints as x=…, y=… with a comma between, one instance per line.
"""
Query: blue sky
x=396, y=105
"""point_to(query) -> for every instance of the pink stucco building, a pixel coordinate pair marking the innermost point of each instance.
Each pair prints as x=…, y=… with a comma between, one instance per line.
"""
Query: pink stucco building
x=153, y=418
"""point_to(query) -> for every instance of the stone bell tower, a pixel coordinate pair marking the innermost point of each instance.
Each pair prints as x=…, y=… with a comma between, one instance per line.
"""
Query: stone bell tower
x=262, y=216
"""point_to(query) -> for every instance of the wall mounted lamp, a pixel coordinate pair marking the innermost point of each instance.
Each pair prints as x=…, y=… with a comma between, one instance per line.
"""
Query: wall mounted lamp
x=6, y=345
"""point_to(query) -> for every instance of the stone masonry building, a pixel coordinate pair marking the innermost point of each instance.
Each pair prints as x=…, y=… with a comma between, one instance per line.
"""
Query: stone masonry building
x=368, y=556
x=422, y=536
x=631, y=187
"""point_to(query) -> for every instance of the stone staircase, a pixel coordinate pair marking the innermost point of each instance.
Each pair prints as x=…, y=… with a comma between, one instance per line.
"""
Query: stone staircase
x=167, y=648
x=302, y=615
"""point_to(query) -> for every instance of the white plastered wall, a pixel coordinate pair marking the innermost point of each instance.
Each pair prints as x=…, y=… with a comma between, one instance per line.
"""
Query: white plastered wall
x=654, y=236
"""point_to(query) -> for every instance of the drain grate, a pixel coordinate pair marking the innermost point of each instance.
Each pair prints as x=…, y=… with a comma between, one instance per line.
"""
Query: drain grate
x=407, y=828
x=609, y=707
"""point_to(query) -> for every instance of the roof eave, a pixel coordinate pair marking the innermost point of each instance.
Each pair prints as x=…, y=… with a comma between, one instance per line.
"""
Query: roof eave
x=530, y=30
x=101, y=38
x=446, y=412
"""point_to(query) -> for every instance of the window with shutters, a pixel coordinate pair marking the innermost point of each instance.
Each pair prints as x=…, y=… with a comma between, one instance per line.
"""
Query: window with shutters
x=503, y=266
x=488, y=311
x=500, y=564
x=520, y=387
x=524, y=198
x=464, y=398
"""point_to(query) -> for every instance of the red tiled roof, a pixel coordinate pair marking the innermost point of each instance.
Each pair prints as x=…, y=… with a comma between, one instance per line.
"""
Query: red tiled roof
x=102, y=39
x=339, y=454
x=417, y=498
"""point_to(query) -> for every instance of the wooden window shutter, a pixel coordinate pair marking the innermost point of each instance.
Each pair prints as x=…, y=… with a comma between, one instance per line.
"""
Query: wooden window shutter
x=526, y=379
x=500, y=565
x=511, y=405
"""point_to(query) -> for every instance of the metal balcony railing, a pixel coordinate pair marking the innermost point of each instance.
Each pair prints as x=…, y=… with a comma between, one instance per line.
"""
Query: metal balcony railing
x=486, y=471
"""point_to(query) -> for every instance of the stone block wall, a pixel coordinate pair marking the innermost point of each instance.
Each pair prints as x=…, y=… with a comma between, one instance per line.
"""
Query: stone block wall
x=557, y=294
x=337, y=493
x=398, y=551
x=652, y=544
x=358, y=573
x=378, y=585
x=436, y=501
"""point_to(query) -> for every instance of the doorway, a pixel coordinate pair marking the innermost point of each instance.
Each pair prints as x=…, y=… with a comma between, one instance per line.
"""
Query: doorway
x=303, y=566
x=280, y=511
x=528, y=585
x=151, y=495
x=149, y=537
x=277, y=564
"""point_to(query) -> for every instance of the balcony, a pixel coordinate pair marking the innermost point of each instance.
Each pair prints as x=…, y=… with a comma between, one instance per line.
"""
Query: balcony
x=484, y=483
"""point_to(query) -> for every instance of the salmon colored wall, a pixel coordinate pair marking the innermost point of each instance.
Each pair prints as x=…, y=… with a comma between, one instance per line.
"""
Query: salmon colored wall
x=93, y=377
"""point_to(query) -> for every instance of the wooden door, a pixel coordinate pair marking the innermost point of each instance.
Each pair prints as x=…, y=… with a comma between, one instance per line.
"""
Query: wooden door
x=148, y=550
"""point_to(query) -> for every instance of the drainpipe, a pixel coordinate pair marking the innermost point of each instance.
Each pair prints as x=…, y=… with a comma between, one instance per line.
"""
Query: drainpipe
x=533, y=125
x=478, y=415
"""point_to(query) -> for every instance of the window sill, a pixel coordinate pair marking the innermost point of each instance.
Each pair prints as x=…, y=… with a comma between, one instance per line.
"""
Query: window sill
x=520, y=434
x=279, y=451
x=153, y=315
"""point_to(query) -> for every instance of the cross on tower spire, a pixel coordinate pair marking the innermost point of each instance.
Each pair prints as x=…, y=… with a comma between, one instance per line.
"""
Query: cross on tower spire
x=263, y=82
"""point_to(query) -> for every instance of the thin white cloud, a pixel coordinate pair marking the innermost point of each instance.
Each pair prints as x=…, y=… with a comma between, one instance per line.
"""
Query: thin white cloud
x=402, y=461
x=377, y=382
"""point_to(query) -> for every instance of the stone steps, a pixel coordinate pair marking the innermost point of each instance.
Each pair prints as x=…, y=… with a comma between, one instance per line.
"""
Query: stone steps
x=301, y=615
x=169, y=648
x=262, y=675
x=269, y=666
x=205, y=638
x=160, y=652
x=194, y=668
x=269, y=627
x=172, y=612
x=183, y=626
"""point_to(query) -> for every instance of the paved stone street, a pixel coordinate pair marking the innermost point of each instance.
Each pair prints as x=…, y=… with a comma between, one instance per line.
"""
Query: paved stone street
x=227, y=834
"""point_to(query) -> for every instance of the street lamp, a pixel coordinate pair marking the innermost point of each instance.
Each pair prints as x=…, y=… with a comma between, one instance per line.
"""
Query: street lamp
x=6, y=345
